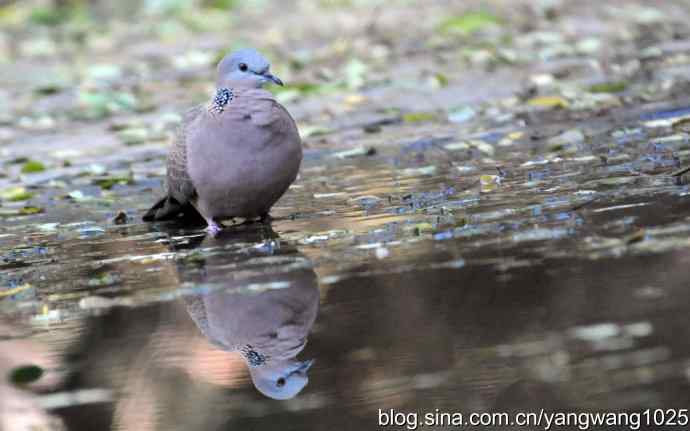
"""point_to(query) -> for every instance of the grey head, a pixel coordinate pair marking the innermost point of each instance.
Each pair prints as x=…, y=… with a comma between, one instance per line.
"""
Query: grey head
x=281, y=379
x=245, y=67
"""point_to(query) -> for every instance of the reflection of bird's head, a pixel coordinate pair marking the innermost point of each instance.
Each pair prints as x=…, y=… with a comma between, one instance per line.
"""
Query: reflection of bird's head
x=281, y=379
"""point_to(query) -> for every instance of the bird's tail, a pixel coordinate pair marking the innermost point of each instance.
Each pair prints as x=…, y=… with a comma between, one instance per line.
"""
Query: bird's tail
x=168, y=208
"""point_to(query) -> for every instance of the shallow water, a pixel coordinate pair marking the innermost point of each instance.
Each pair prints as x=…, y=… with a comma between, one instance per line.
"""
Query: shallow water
x=446, y=280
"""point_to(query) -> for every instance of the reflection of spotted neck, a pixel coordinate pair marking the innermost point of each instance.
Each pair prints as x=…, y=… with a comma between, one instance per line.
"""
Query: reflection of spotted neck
x=221, y=99
x=254, y=358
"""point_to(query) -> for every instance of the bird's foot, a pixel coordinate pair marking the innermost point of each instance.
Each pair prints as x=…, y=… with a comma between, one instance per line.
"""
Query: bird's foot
x=213, y=228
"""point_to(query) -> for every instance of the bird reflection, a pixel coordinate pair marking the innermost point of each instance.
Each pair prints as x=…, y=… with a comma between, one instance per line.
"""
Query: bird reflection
x=264, y=309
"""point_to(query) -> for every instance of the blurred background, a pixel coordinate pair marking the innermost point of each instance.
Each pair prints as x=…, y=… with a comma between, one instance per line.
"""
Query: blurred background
x=70, y=62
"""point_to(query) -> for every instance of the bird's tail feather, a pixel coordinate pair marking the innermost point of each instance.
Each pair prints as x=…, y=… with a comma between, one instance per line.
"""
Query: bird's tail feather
x=168, y=208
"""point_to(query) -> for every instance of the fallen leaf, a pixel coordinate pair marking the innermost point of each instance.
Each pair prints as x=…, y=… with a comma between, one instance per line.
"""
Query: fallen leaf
x=418, y=117
x=608, y=87
x=33, y=166
x=468, y=23
x=15, y=194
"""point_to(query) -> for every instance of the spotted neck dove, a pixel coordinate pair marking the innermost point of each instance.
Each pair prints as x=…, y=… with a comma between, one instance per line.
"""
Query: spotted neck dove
x=236, y=155
x=267, y=321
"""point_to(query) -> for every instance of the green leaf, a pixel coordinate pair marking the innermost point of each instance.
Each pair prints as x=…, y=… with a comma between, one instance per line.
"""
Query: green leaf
x=30, y=210
x=418, y=117
x=25, y=374
x=108, y=182
x=608, y=87
x=468, y=23
x=440, y=80
x=50, y=16
x=33, y=166
x=16, y=194
x=221, y=4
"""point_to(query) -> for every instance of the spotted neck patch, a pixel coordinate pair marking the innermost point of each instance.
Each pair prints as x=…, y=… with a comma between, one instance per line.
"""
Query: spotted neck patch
x=254, y=358
x=221, y=99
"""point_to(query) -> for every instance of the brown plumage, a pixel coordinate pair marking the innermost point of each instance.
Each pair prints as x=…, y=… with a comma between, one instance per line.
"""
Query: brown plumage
x=179, y=187
x=234, y=157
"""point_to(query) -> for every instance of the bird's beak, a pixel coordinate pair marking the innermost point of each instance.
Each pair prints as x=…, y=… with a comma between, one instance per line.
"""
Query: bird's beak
x=273, y=78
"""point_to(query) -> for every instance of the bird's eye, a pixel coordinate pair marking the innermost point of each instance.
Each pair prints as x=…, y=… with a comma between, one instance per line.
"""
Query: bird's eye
x=281, y=382
x=243, y=67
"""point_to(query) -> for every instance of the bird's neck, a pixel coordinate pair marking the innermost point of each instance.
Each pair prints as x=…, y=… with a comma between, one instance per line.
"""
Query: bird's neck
x=254, y=358
x=220, y=101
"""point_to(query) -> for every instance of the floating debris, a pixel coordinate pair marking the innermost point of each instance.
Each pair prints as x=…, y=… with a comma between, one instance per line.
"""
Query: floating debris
x=311, y=131
x=636, y=237
x=355, y=152
x=121, y=218
x=596, y=332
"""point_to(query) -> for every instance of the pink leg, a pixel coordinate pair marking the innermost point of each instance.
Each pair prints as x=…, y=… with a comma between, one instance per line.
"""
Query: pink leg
x=213, y=228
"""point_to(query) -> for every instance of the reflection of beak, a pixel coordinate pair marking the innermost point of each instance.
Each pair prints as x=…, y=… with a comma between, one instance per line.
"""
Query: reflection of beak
x=304, y=367
x=273, y=78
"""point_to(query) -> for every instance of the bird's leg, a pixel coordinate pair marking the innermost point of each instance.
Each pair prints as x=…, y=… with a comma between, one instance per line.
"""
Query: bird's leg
x=265, y=218
x=213, y=227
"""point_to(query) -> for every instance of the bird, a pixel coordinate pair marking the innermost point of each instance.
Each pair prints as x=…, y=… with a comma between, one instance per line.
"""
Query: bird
x=235, y=155
x=263, y=303
x=268, y=328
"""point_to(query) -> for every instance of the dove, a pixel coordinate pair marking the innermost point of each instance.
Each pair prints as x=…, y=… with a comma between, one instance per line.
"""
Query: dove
x=264, y=306
x=236, y=155
x=268, y=328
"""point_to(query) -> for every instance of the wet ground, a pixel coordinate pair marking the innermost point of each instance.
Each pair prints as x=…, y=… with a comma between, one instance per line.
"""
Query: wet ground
x=492, y=215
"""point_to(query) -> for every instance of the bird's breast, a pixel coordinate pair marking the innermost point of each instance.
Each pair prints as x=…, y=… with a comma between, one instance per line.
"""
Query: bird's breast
x=240, y=168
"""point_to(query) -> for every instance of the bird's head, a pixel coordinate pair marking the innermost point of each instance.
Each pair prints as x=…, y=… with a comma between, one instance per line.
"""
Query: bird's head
x=245, y=67
x=281, y=379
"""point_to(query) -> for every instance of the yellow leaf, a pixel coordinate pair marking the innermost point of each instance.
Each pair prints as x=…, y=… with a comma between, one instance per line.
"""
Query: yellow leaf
x=14, y=291
x=489, y=183
x=549, y=102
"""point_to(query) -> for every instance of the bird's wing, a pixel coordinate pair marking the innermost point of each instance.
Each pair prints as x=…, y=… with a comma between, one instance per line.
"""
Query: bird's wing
x=263, y=111
x=179, y=185
x=197, y=311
